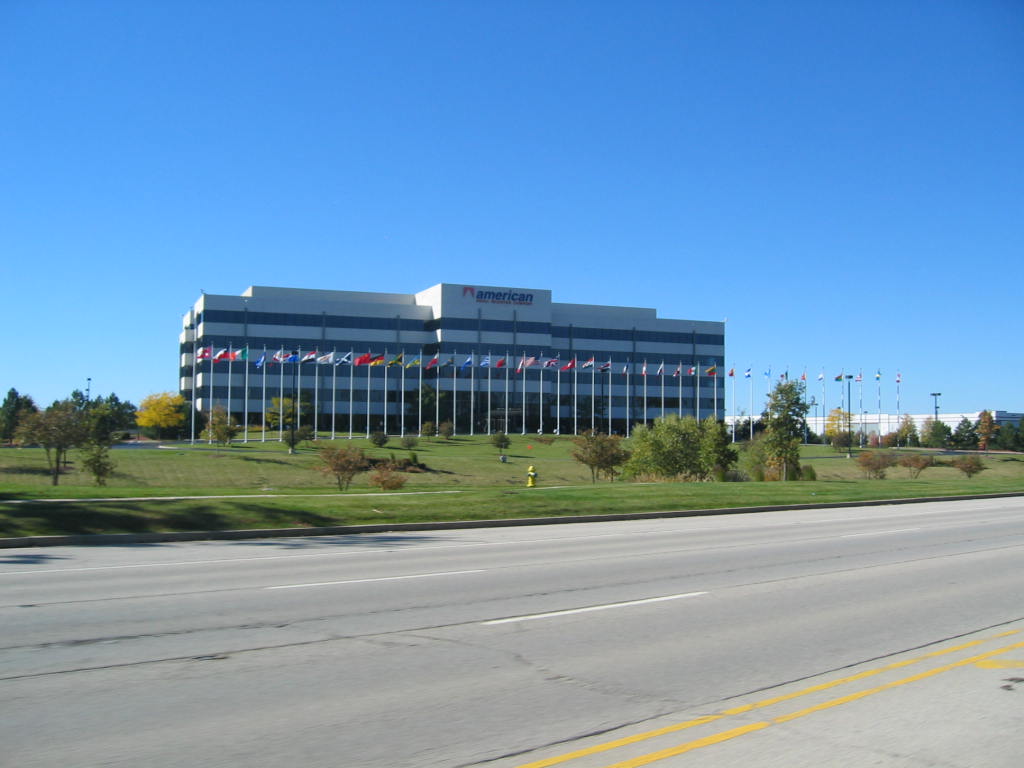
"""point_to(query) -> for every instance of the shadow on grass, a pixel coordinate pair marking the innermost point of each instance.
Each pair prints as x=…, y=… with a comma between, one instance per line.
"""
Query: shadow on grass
x=265, y=460
x=38, y=471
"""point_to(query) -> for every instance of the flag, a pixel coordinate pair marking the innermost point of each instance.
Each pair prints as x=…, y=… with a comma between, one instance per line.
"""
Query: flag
x=661, y=368
x=465, y=365
x=449, y=361
x=346, y=358
x=768, y=373
x=878, y=375
x=279, y=357
x=529, y=361
x=325, y=359
x=364, y=359
x=433, y=362
x=643, y=369
x=378, y=360
x=712, y=371
x=262, y=359
x=310, y=357
x=899, y=377
x=203, y=353
x=239, y=354
x=732, y=372
x=552, y=362
x=692, y=370
x=413, y=364
x=570, y=365
x=859, y=377
x=485, y=362
x=821, y=376
x=839, y=377
x=803, y=376
x=678, y=371
x=221, y=355
x=625, y=370
x=397, y=359
x=500, y=363
x=784, y=376
x=588, y=364
x=289, y=357
x=746, y=374
x=605, y=366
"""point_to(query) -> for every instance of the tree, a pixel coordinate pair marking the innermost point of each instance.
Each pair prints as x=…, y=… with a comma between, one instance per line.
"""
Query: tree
x=906, y=434
x=837, y=431
x=600, y=453
x=57, y=429
x=916, y=463
x=344, y=463
x=222, y=427
x=784, y=417
x=969, y=465
x=446, y=430
x=985, y=429
x=162, y=412
x=378, y=439
x=935, y=434
x=97, y=462
x=1010, y=437
x=13, y=409
x=668, y=448
x=874, y=463
x=964, y=436
x=387, y=479
x=294, y=437
x=715, y=454
x=501, y=441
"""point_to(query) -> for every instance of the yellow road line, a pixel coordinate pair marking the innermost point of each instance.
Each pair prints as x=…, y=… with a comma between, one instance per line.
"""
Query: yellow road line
x=610, y=745
x=726, y=735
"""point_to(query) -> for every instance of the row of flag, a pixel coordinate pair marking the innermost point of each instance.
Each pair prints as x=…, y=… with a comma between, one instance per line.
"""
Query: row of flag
x=841, y=376
x=228, y=354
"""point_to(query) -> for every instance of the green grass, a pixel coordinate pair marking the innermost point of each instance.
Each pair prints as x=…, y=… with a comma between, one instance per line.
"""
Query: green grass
x=465, y=481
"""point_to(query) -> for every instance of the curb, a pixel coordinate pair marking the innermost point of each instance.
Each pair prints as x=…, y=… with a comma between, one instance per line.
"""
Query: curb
x=114, y=539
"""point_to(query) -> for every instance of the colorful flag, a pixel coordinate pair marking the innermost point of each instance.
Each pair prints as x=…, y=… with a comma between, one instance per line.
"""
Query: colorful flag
x=732, y=372
x=203, y=353
x=552, y=362
x=588, y=364
x=661, y=368
x=377, y=360
x=325, y=359
x=803, y=376
x=570, y=365
x=500, y=363
x=625, y=370
x=465, y=365
x=839, y=377
x=605, y=366
x=221, y=355
x=364, y=359
x=678, y=371
x=413, y=364
x=746, y=374
x=397, y=360
x=878, y=375
x=821, y=376
x=346, y=358
x=712, y=371
x=485, y=362
x=643, y=369
x=691, y=370
x=529, y=361
x=310, y=357
x=261, y=360
x=449, y=361
x=279, y=357
x=899, y=377
x=433, y=361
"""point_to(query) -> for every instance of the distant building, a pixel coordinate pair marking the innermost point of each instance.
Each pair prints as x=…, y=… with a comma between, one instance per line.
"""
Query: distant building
x=884, y=423
x=506, y=359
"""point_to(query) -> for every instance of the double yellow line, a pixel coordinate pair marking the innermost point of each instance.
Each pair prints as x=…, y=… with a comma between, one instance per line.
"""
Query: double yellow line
x=732, y=733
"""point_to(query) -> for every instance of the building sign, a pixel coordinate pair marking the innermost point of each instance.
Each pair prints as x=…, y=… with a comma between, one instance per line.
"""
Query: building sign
x=497, y=296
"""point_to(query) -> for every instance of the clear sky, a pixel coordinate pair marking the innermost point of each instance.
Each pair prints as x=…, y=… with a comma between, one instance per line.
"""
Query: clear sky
x=842, y=180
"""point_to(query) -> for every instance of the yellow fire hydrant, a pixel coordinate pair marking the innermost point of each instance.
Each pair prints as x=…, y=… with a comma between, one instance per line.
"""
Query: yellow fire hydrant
x=531, y=477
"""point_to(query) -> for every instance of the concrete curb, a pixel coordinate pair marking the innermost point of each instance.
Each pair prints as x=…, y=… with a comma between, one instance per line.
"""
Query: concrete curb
x=114, y=539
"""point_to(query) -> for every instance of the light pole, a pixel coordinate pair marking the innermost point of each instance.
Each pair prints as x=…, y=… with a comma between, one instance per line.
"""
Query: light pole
x=849, y=418
x=936, y=395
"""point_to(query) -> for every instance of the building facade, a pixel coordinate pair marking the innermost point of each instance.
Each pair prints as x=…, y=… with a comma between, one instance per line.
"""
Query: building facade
x=486, y=358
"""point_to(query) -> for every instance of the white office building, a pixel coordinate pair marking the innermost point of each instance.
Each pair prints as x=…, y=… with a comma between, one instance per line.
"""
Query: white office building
x=486, y=358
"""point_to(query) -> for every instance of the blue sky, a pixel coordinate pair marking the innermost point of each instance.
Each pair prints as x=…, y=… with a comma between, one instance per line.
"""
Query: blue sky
x=843, y=181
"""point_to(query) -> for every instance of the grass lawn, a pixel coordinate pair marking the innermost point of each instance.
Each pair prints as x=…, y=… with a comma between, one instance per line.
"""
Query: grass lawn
x=464, y=481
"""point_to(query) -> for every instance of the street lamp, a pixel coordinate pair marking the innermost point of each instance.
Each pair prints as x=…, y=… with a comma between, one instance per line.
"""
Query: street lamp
x=936, y=395
x=849, y=417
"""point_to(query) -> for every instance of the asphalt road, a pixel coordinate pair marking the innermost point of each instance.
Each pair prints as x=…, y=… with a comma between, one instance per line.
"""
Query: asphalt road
x=861, y=636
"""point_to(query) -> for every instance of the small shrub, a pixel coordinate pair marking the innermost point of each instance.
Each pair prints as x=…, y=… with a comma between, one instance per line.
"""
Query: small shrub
x=409, y=441
x=916, y=463
x=807, y=472
x=429, y=429
x=378, y=439
x=735, y=476
x=96, y=460
x=344, y=463
x=501, y=441
x=446, y=430
x=387, y=479
x=546, y=439
x=874, y=464
x=969, y=465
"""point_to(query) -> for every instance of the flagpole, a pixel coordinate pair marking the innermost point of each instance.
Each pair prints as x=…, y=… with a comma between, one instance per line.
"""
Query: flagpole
x=263, y=400
x=386, y=366
x=472, y=393
x=661, y=375
x=523, y=363
x=626, y=369
x=593, y=395
x=369, y=368
x=455, y=394
x=610, y=395
x=419, y=398
x=750, y=381
x=540, y=399
x=558, y=401
x=490, y=411
x=506, y=390
x=209, y=432
x=298, y=390
x=334, y=390
x=575, y=399
x=316, y=396
x=245, y=398
x=195, y=398
x=437, y=394
x=351, y=387
x=714, y=383
x=696, y=389
x=280, y=400
x=401, y=411
x=732, y=374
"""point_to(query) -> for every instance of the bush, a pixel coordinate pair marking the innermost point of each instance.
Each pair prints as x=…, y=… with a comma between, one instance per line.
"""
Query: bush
x=409, y=441
x=387, y=479
x=429, y=429
x=874, y=463
x=916, y=463
x=446, y=430
x=969, y=465
x=807, y=472
x=378, y=439
x=343, y=463
x=501, y=441
x=96, y=460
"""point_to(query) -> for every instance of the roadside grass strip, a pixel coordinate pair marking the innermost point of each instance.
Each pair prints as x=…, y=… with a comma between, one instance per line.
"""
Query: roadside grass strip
x=982, y=659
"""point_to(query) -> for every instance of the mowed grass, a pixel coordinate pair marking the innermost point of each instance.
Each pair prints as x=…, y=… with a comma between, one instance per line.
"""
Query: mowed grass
x=464, y=481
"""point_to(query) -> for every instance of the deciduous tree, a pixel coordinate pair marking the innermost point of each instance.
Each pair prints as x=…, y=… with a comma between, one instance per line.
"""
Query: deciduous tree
x=985, y=429
x=600, y=453
x=13, y=409
x=161, y=412
x=57, y=429
x=344, y=463
x=785, y=414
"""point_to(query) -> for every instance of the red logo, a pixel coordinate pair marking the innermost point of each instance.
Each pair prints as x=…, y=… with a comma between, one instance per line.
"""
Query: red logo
x=470, y=290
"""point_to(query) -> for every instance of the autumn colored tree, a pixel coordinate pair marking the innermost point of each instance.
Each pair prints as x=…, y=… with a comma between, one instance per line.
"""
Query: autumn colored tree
x=600, y=453
x=161, y=412
x=837, y=429
x=969, y=465
x=985, y=429
x=916, y=463
x=344, y=463
x=906, y=434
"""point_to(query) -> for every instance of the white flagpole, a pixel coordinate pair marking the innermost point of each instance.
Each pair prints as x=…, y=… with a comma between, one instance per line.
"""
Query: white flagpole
x=351, y=387
x=661, y=375
x=593, y=395
x=575, y=397
x=455, y=390
x=334, y=390
x=679, y=385
x=696, y=389
x=386, y=366
x=195, y=385
x=437, y=393
x=280, y=400
x=558, y=401
x=316, y=397
x=540, y=398
x=490, y=410
x=209, y=409
x=714, y=383
x=369, y=367
x=506, y=390
x=263, y=401
x=472, y=393
x=524, y=392
x=750, y=380
x=609, y=395
x=419, y=400
x=627, y=397
x=298, y=389
x=230, y=360
x=245, y=398
x=401, y=414
x=733, y=406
